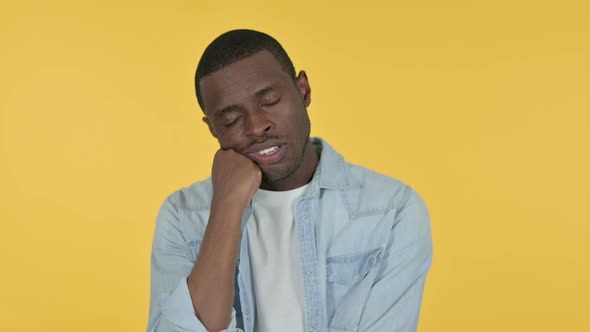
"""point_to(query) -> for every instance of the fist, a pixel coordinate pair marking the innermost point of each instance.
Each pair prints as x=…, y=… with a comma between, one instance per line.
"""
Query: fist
x=235, y=178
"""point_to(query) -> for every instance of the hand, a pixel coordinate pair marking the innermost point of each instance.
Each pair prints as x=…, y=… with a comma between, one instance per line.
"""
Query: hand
x=235, y=179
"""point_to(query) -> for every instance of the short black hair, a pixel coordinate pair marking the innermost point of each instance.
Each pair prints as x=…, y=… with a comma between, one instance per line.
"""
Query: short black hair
x=236, y=45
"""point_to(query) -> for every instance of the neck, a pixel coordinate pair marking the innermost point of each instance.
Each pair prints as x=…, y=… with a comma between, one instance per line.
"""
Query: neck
x=302, y=175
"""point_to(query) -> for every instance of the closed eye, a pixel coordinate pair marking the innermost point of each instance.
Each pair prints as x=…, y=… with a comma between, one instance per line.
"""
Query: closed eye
x=233, y=122
x=272, y=103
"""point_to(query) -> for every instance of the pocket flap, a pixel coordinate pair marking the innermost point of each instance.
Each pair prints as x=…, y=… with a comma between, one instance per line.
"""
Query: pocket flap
x=351, y=269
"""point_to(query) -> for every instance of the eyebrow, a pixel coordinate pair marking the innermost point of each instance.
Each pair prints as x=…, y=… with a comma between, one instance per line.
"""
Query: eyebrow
x=224, y=110
x=266, y=90
x=258, y=94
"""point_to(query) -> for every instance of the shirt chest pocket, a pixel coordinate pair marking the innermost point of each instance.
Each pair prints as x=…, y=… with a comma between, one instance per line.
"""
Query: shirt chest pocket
x=345, y=273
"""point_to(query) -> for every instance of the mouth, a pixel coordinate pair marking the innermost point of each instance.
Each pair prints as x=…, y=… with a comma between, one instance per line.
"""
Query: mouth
x=268, y=156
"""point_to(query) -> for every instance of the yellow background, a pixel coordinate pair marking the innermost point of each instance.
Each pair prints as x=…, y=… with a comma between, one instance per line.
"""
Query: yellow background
x=482, y=106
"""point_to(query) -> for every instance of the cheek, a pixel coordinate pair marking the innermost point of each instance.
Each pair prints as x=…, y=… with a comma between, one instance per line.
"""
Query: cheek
x=292, y=119
x=224, y=141
x=302, y=117
x=229, y=139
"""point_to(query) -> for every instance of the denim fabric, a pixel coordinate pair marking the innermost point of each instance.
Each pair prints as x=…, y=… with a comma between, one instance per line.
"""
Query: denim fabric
x=365, y=244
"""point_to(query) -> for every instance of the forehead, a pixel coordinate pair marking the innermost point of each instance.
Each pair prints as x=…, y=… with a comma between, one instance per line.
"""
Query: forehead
x=239, y=81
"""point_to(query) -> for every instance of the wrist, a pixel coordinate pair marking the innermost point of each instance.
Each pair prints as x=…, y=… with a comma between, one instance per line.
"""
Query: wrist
x=226, y=207
x=229, y=204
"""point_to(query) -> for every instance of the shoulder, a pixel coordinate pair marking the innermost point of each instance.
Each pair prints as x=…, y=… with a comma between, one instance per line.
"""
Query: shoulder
x=183, y=215
x=196, y=196
x=380, y=189
x=178, y=207
x=382, y=192
x=411, y=218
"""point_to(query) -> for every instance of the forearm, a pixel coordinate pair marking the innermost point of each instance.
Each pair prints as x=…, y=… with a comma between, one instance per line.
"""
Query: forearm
x=211, y=282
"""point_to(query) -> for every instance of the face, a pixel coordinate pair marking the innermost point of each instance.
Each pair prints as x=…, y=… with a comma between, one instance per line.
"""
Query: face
x=254, y=107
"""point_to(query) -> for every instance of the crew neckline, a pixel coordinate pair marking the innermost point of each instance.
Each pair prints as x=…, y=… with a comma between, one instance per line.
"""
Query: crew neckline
x=274, y=196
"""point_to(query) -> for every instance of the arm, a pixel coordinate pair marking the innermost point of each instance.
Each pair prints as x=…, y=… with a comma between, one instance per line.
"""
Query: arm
x=389, y=296
x=203, y=301
x=171, y=261
x=395, y=298
x=211, y=282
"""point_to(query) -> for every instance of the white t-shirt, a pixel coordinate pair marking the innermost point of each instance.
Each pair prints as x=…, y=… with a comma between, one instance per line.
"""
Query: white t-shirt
x=275, y=261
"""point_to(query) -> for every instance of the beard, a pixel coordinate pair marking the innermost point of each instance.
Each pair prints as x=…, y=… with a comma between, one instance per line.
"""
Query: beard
x=291, y=169
x=301, y=146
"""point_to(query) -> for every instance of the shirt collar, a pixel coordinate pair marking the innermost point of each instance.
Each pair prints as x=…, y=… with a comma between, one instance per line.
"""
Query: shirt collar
x=332, y=171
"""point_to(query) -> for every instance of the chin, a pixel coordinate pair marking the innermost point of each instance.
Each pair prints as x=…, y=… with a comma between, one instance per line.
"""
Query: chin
x=272, y=177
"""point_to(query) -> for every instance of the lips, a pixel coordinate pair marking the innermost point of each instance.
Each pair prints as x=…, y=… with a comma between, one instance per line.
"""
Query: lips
x=267, y=155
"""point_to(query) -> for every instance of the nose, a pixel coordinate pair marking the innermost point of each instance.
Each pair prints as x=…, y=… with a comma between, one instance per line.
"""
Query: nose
x=257, y=123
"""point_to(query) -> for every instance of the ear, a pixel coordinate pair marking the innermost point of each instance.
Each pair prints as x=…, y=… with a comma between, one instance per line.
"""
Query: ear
x=211, y=129
x=302, y=84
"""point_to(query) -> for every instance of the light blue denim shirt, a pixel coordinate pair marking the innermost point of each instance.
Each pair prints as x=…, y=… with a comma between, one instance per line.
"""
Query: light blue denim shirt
x=365, y=244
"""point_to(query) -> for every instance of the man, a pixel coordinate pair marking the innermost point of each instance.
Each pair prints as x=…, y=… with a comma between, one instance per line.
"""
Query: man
x=285, y=235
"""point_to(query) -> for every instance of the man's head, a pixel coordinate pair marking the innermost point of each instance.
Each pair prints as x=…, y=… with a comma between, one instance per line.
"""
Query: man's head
x=254, y=103
x=236, y=45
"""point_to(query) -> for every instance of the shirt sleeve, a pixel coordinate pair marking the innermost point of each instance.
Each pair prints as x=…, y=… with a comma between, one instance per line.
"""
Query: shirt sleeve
x=396, y=296
x=171, y=308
